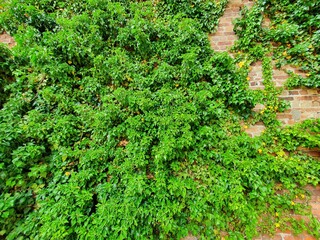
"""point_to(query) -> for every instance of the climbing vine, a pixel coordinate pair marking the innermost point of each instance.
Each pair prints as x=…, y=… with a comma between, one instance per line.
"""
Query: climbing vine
x=293, y=36
x=5, y=73
x=122, y=123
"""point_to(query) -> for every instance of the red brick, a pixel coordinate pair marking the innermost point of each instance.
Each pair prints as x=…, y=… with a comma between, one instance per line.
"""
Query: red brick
x=316, y=214
x=229, y=29
x=306, y=104
x=300, y=217
x=291, y=122
x=285, y=92
x=280, y=77
x=313, y=153
x=258, y=63
x=293, y=92
x=224, y=24
x=226, y=43
x=287, y=98
x=309, y=238
x=305, y=97
x=292, y=237
x=313, y=188
x=7, y=39
x=315, y=198
x=313, y=91
x=316, y=97
x=314, y=110
x=190, y=237
x=315, y=206
x=229, y=33
x=285, y=115
x=276, y=237
x=303, y=92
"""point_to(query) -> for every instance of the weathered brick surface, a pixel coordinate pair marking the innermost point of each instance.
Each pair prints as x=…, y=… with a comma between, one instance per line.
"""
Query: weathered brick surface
x=7, y=39
x=190, y=237
x=304, y=103
x=224, y=33
x=255, y=130
x=255, y=76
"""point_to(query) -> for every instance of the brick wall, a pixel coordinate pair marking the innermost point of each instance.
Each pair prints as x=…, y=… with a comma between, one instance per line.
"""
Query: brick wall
x=304, y=103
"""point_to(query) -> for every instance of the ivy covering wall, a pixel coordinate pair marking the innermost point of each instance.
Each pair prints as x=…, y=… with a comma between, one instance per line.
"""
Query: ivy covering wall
x=120, y=122
x=293, y=36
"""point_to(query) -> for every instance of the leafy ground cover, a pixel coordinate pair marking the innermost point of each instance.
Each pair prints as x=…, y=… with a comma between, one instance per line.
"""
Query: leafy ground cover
x=120, y=122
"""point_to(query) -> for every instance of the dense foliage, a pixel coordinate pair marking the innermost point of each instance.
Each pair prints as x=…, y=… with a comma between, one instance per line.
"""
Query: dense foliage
x=5, y=73
x=122, y=123
x=293, y=36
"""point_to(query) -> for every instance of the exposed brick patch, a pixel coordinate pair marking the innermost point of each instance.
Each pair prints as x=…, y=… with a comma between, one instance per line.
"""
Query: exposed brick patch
x=255, y=130
x=279, y=77
x=266, y=22
x=190, y=237
x=7, y=39
x=255, y=76
x=224, y=33
x=296, y=92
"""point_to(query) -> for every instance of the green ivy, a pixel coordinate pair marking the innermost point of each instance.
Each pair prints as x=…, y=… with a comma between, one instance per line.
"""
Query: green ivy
x=122, y=123
x=206, y=11
x=5, y=73
x=293, y=36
